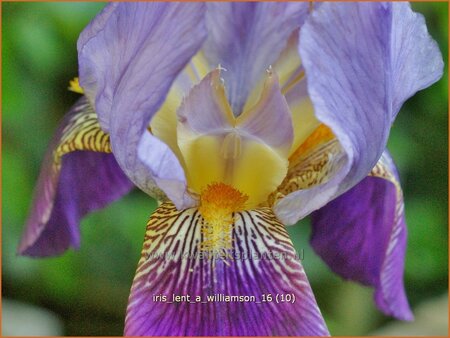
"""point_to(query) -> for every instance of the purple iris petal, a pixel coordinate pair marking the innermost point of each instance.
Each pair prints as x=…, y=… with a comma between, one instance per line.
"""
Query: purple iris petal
x=246, y=38
x=357, y=80
x=129, y=56
x=263, y=268
x=87, y=181
x=362, y=237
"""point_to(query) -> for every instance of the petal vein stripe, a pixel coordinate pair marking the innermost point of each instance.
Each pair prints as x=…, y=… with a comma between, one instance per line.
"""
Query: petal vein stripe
x=82, y=132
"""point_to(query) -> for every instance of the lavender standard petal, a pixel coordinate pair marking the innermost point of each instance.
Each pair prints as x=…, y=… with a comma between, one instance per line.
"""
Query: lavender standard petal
x=415, y=57
x=129, y=56
x=352, y=54
x=246, y=38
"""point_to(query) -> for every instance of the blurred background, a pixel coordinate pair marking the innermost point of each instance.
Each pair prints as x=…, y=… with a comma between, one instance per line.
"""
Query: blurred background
x=85, y=292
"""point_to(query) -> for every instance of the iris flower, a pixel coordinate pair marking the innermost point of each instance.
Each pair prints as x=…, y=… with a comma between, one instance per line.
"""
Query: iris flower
x=241, y=119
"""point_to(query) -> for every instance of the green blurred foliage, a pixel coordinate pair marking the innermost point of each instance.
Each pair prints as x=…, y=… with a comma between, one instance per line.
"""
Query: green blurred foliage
x=88, y=288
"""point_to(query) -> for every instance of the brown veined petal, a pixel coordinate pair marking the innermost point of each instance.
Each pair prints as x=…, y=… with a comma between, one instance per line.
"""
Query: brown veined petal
x=262, y=271
x=81, y=131
x=317, y=159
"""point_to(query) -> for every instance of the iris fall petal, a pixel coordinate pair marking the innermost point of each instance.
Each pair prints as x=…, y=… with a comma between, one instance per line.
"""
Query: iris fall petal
x=367, y=241
x=79, y=175
x=171, y=263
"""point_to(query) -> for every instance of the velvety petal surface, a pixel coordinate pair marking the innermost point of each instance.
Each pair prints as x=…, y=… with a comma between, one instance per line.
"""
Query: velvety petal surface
x=129, y=56
x=263, y=263
x=353, y=55
x=79, y=175
x=361, y=235
x=246, y=38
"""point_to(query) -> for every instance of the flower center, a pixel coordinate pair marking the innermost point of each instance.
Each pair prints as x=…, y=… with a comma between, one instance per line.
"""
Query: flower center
x=218, y=203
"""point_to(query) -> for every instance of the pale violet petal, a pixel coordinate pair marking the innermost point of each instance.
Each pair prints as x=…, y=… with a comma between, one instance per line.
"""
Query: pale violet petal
x=246, y=38
x=165, y=169
x=357, y=80
x=129, y=56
